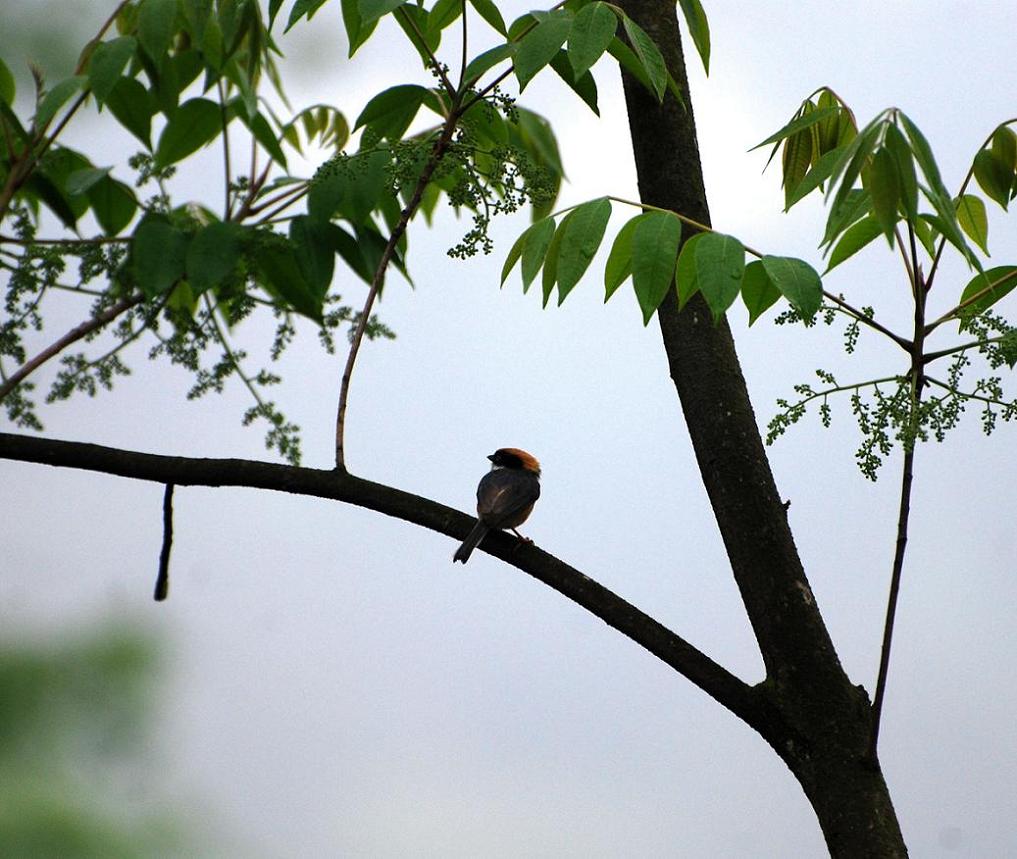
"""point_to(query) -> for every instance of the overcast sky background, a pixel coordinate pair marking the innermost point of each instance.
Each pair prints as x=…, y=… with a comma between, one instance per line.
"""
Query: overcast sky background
x=335, y=687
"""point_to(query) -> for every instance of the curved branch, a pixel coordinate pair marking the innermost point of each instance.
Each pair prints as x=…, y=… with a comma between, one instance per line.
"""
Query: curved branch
x=737, y=696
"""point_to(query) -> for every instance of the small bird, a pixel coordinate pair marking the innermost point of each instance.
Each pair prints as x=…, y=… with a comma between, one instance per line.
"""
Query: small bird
x=505, y=496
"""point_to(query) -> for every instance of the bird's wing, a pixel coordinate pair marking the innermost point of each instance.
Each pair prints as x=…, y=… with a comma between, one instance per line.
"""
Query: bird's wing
x=503, y=493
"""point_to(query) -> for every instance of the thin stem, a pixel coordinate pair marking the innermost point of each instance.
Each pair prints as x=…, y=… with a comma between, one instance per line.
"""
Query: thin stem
x=75, y=334
x=903, y=342
x=221, y=337
x=282, y=207
x=649, y=207
x=431, y=58
x=379, y=275
x=836, y=389
x=991, y=401
x=904, y=513
x=462, y=60
x=929, y=357
x=907, y=479
x=227, y=168
x=293, y=192
x=967, y=302
x=908, y=264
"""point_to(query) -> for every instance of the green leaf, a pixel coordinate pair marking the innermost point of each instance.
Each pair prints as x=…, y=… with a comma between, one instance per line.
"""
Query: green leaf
x=41, y=187
x=884, y=190
x=273, y=9
x=550, y=274
x=973, y=220
x=537, y=48
x=131, y=104
x=301, y=9
x=699, y=29
x=1005, y=279
x=848, y=168
x=720, y=265
x=819, y=173
x=1004, y=146
x=113, y=204
x=158, y=255
x=81, y=180
x=650, y=58
x=993, y=177
x=156, y=25
x=797, y=281
x=214, y=254
x=372, y=10
x=923, y=154
x=798, y=124
x=488, y=10
x=531, y=246
x=855, y=237
x=580, y=243
x=854, y=207
x=535, y=244
x=107, y=63
x=584, y=86
x=686, y=276
x=358, y=30
x=196, y=122
x=56, y=98
x=799, y=150
x=281, y=273
x=654, y=250
x=7, y=88
x=900, y=152
x=592, y=31
x=314, y=252
x=758, y=291
x=926, y=235
x=264, y=134
x=413, y=21
x=350, y=250
x=487, y=60
x=56, y=167
x=629, y=61
x=442, y=14
x=619, y=262
x=390, y=113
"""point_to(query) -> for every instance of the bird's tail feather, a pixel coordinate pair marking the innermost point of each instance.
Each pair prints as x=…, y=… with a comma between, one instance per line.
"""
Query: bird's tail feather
x=471, y=542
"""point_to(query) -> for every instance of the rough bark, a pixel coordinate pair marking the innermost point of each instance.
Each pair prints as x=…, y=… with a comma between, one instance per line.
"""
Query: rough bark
x=824, y=721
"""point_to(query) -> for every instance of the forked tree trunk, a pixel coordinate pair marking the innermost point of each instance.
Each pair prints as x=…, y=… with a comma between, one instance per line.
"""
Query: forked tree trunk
x=817, y=721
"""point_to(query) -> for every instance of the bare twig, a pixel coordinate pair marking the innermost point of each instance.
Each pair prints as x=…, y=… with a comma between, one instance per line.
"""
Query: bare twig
x=379, y=275
x=162, y=579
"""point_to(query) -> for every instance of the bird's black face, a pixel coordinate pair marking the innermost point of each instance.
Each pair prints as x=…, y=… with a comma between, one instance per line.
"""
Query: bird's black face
x=504, y=459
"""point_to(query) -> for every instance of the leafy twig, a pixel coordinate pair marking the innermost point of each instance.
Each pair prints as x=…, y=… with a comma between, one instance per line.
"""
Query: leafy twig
x=75, y=334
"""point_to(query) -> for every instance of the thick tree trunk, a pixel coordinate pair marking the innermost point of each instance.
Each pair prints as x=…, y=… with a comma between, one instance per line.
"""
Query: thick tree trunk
x=819, y=723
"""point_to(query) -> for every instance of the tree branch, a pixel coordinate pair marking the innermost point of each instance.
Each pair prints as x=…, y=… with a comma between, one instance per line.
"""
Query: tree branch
x=76, y=333
x=727, y=689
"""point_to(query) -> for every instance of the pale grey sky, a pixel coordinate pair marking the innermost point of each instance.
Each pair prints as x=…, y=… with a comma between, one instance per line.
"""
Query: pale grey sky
x=336, y=688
